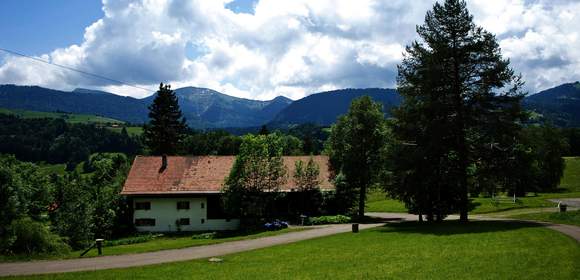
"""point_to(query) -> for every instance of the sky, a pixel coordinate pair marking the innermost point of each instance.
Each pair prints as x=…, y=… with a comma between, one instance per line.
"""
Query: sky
x=261, y=49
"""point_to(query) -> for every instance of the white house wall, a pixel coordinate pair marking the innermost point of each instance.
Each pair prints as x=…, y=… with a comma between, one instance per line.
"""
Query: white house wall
x=165, y=213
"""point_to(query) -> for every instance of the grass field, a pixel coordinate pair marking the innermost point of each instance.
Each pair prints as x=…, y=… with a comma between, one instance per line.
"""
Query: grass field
x=478, y=250
x=569, y=218
x=71, y=118
x=570, y=187
x=571, y=179
x=157, y=244
x=378, y=202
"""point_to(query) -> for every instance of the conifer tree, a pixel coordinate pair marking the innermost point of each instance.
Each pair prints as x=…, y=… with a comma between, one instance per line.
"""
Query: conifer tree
x=460, y=97
x=166, y=127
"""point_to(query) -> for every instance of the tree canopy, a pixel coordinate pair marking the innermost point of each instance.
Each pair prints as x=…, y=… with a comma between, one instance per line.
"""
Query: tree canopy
x=166, y=127
x=357, y=146
x=460, y=98
x=255, y=178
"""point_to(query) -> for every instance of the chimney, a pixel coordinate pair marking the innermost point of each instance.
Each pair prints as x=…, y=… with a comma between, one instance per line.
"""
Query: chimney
x=163, y=163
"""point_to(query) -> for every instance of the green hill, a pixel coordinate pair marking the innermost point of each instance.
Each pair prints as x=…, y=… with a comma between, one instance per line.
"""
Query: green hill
x=70, y=118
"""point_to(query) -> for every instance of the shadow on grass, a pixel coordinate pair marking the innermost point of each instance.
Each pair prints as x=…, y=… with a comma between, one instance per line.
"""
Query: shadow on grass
x=376, y=220
x=456, y=227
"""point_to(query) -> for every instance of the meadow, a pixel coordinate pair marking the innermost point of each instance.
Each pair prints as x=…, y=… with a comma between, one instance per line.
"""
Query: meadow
x=569, y=188
x=478, y=250
x=151, y=243
x=68, y=117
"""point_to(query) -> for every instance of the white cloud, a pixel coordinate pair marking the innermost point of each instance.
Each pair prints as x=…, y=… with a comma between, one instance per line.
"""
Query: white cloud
x=290, y=48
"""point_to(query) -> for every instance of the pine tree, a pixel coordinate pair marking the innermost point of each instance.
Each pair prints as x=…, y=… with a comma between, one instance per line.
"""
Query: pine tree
x=460, y=96
x=166, y=127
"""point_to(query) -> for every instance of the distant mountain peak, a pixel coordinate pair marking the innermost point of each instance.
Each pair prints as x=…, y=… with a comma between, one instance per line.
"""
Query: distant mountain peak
x=281, y=98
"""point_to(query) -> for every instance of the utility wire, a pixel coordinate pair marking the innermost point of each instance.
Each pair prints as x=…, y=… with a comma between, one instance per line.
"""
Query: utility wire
x=75, y=70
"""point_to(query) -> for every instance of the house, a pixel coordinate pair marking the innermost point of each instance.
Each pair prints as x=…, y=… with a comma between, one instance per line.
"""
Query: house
x=183, y=193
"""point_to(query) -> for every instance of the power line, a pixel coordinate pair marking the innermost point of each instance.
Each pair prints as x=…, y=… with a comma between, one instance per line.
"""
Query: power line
x=75, y=70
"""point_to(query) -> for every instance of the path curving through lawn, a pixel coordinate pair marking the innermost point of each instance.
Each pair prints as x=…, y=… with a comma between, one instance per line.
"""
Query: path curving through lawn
x=207, y=251
x=165, y=256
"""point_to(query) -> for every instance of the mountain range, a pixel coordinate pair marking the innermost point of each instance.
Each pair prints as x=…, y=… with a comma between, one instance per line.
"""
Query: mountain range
x=206, y=108
x=201, y=107
x=559, y=105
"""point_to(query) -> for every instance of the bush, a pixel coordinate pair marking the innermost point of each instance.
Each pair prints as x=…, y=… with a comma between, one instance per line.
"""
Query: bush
x=31, y=237
x=206, y=235
x=132, y=240
x=324, y=220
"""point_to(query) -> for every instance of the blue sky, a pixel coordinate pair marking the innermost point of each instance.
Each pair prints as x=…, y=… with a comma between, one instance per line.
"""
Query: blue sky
x=36, y=27
x=263, y=48
x=242, y=6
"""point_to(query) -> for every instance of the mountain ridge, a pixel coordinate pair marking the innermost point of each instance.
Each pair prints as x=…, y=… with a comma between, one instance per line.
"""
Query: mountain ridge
x=202, y=107
x=207, y=108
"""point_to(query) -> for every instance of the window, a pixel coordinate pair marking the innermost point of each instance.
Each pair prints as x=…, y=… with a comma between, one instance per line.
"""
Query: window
x=202, y=221
x=145, y=222
x=182, y=205
x=202, y=205
x=183, y=222
x=146, y=205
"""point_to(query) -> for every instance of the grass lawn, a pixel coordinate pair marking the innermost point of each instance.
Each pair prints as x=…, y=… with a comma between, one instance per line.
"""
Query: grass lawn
x=570, y=187
x=571, y=179
x=378, y=202
x=485, y=205
x=157, y=244
x=569, y=218
x=478, y=250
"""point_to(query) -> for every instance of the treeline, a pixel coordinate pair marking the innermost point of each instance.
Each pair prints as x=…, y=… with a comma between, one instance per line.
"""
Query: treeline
x=299, y=140
x=48, y=213
x=56, y=141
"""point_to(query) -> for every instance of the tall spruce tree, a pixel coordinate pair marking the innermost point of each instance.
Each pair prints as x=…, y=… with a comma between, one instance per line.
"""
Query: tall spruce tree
x=460, y=98
x=166, y=127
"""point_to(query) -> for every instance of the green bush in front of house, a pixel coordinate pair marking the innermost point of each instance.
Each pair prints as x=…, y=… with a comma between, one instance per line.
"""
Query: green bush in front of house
x=324, y=220
x=132, y=240
x=31, y=237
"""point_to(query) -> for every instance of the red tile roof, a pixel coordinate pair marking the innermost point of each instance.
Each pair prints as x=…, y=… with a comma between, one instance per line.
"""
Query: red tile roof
x=200, y=174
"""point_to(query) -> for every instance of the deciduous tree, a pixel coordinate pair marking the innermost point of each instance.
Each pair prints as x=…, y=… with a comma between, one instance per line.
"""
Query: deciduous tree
x=254, y=181
x=356, y=147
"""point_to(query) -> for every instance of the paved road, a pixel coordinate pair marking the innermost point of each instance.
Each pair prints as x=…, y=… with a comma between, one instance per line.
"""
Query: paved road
x=573, y=202
x=191, y=253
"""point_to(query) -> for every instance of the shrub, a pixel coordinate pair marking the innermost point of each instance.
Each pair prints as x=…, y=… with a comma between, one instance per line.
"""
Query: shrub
x=132, y=240
x=205, y=235
x=32, y=237
x=323, y=220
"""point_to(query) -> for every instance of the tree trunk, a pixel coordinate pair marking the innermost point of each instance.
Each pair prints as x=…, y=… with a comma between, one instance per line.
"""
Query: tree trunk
x=361, y=203
x=460, y=139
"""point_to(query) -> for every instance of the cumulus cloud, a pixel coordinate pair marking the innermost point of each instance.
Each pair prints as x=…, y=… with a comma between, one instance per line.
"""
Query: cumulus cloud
x=292, y=48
